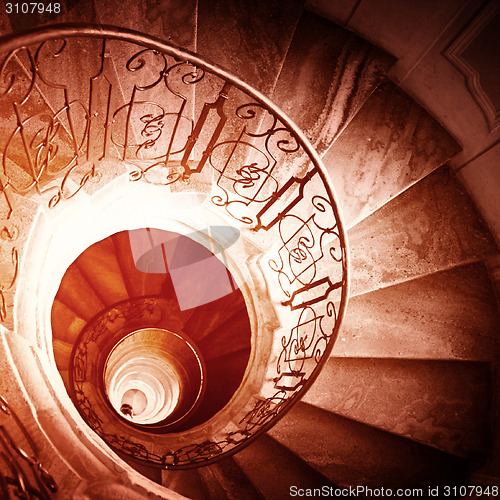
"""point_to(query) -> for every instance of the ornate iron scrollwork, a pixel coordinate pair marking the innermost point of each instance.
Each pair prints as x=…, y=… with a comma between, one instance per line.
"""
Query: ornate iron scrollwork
x=169, y=117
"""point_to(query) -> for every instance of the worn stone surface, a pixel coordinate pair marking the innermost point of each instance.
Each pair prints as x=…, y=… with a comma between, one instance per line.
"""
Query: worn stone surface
x=66, y=324
x=225, y=479
x=207, y=317
x=173, y=21
x=19, y=391
x=99, y=265
x=448, y=315
x=137, y=282
x=440, y=403
x=353, y=453
x=273, y=468
x=328, y=74
x=430, y=227
x=62, y=355
x=389, y=145
x=54, y=433
x=339, y=11
x=76, y=293
x=233, y=335
x=185, y=482
x=249, y=38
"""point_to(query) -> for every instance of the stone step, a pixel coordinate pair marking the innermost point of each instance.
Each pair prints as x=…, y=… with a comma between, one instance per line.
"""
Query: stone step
x=327, y=75
x=76, y=294
x=232, y=336
x=225, y=479
x=276, y=471
x=444, y=404
x=269, y=26
x=62, y=354
x=351, y=453
x=15, y=389
x=188, y=483
x=223, y=377
x=65, y=449
x=252, y=41
x=137, y=282
x=174, y=21
x=390, y=144
x=100, y=266
x=431, y=227
x=451, y=314
x=66, y=324
x=252, y=37
x=208, y=317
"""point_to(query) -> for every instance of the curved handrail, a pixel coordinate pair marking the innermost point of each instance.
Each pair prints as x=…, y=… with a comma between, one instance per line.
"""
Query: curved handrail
x=307, y=257
x=20, y=459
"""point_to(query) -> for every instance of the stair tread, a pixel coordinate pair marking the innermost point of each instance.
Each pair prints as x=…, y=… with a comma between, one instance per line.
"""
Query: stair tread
x=353, y=453
x=207, y=317
x=259, y=31
x=66, y=324
x=451, y=314
x=174, y=21
x=430, y=227
x=137, y=282
x=99, y=264
x=224, y=376
x=76, y=293
x=226, y=480
x=226, y=372
x=390, y=144
x=188, y=483
x=274, y=469
x=62, y=354
x=445, y=404
x=327, y=75
x=21, y=363
x=233, y=335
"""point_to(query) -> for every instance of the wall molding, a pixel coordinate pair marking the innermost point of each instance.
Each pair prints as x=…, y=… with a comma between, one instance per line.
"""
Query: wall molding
x=455, y=54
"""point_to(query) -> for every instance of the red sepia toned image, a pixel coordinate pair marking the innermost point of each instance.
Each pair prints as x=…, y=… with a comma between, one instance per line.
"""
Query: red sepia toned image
x=249, y=249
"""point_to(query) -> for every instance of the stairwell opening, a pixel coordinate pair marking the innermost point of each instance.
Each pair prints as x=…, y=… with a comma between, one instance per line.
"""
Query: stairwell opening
x=152, y=376
x=158, y=337
x=296, y=262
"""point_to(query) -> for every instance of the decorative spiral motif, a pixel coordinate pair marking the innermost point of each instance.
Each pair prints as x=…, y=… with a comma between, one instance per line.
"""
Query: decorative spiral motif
x=140, y=111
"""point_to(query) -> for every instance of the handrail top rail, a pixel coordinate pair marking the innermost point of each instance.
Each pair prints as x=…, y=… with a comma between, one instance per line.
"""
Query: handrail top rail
x=15, y=41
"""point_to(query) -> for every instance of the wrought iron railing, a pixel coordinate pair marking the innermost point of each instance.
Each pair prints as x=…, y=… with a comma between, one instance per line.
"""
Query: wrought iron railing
x=22, y=475
x=82, y=104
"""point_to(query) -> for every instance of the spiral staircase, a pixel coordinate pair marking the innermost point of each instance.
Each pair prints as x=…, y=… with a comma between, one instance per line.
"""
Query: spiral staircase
x=402, y=396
